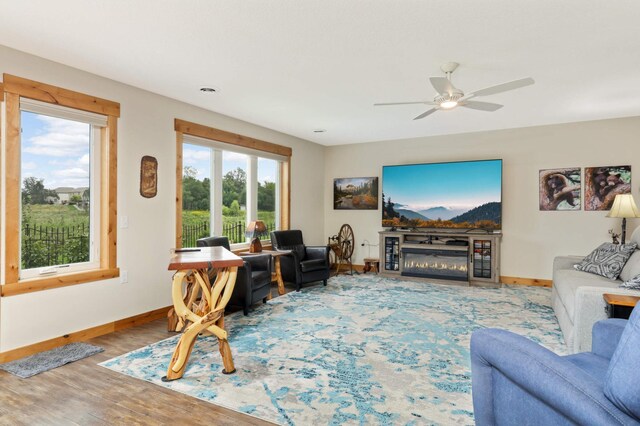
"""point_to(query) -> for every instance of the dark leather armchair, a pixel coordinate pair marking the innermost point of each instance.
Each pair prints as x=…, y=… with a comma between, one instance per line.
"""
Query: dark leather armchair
x=254, y=278
x=306, y=263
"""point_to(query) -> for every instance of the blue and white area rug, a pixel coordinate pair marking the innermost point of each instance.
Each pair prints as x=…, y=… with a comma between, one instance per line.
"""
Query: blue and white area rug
x=363, y=350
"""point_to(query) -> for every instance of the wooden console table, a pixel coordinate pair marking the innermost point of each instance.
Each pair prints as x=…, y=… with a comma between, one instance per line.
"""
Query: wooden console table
x=202, y=304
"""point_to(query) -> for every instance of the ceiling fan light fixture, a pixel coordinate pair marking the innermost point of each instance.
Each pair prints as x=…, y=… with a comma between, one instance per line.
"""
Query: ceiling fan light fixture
x=448, y=100
x=449, y=97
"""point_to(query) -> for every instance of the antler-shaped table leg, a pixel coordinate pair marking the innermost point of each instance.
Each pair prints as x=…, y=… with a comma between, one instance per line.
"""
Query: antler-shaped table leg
x=209, y=315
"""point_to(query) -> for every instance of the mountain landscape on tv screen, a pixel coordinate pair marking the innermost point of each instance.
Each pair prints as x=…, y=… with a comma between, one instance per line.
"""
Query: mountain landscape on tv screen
x=485, y=216
x=441, y=212
x=458, y=195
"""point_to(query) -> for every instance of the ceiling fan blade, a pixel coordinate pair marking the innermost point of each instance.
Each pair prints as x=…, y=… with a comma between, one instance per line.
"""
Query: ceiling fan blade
x=442, y=85
x=482, y=106
x=424, y=114
x=404, y=103
x=516, y=84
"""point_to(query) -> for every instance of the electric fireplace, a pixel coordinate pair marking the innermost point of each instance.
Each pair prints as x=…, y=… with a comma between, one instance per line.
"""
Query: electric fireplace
x=448, y=263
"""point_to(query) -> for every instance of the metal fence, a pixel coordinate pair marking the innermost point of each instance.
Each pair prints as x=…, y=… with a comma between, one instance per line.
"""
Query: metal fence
x=190, y=233
x=232, y=230
x=48, y=246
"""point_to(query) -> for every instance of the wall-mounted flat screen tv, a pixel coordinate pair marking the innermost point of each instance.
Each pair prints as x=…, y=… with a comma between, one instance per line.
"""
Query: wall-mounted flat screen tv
x=459, y=195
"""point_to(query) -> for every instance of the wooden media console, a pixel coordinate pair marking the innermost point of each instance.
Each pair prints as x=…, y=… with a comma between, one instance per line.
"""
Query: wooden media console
x=471, y=257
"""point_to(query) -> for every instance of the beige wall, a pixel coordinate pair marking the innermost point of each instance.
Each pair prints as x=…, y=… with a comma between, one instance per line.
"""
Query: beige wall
x=531, y=238
x=145, y=128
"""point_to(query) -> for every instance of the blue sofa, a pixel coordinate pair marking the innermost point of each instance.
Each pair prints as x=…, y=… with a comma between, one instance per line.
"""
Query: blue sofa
x=518, y=382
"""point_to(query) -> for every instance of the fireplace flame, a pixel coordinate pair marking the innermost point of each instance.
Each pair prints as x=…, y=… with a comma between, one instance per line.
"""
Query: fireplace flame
x=438, y=266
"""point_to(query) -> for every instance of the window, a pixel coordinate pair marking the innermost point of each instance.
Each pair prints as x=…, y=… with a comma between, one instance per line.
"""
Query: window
x=235, y=211
x=60, y=187
x=268, y=194
x=60, y=169
x=225, y=185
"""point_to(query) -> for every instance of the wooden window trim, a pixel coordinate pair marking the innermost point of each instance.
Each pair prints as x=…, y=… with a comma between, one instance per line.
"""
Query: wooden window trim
x=39, y=284
x=59, y=96
x=2, y=96
x=179, y=139
x=183, y=127
x=205, y=132
x=15, y=88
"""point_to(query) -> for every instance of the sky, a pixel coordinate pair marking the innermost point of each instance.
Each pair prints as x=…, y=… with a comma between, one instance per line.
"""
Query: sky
x=462, y=185
x=56, y=150
x=199, y=158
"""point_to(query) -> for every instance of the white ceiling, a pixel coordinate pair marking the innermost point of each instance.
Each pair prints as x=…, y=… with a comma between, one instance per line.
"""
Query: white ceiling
x=299, y=65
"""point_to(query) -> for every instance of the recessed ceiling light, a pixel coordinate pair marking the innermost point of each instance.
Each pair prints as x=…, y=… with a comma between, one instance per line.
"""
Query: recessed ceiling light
x=319, y=131
x=208, y=89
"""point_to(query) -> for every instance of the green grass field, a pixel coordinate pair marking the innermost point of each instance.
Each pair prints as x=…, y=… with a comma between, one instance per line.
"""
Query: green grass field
x=196, y=217
x=57, y=215
x=54, y=215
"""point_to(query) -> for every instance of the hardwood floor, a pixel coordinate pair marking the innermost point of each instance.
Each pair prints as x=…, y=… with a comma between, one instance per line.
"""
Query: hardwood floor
x=83, y=393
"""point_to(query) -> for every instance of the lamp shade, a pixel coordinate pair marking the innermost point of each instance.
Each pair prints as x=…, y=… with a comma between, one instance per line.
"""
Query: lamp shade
x=256, y=229
x=624, y=206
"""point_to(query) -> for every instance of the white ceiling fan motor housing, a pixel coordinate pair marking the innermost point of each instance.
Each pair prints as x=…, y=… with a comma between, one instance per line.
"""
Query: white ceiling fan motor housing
x=449, y=97
x=449, y=67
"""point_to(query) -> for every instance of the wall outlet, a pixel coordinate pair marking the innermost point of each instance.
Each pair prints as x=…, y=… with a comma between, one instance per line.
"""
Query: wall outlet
x=124, y=222
x=124, y=277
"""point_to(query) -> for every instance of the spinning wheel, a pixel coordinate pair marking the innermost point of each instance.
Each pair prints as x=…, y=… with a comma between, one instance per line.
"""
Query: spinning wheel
x=342, y=246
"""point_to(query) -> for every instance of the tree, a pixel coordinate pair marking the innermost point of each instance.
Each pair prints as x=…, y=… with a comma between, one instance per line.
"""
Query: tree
x=374, y=188
x=234, y=210
x=75, y=199
x=388, y=211
x=234, y=187
x=34, y=192
x=190, y=171
x=195, y=193
x=267, y=196
x=86, y=198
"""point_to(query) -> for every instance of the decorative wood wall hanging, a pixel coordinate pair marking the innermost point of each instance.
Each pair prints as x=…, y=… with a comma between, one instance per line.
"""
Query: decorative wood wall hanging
x=148, y=176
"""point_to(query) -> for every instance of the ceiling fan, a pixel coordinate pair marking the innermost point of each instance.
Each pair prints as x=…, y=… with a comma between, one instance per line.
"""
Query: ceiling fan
x=449, y=97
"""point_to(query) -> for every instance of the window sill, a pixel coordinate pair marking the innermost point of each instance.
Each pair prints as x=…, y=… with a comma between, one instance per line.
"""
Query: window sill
x=60, y=280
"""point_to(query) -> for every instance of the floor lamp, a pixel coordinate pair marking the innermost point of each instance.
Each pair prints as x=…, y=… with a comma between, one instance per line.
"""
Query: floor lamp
x=624, y=207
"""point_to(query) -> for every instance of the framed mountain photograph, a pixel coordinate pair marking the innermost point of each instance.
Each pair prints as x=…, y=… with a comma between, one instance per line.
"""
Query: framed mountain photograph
x=355, y=193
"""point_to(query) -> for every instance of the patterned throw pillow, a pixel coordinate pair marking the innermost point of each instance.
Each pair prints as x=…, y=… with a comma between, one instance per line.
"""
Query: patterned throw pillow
x=632, y=284
x=607, y=260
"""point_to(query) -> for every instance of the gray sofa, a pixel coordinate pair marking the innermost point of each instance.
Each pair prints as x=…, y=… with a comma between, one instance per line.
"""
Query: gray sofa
x=577, y=296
